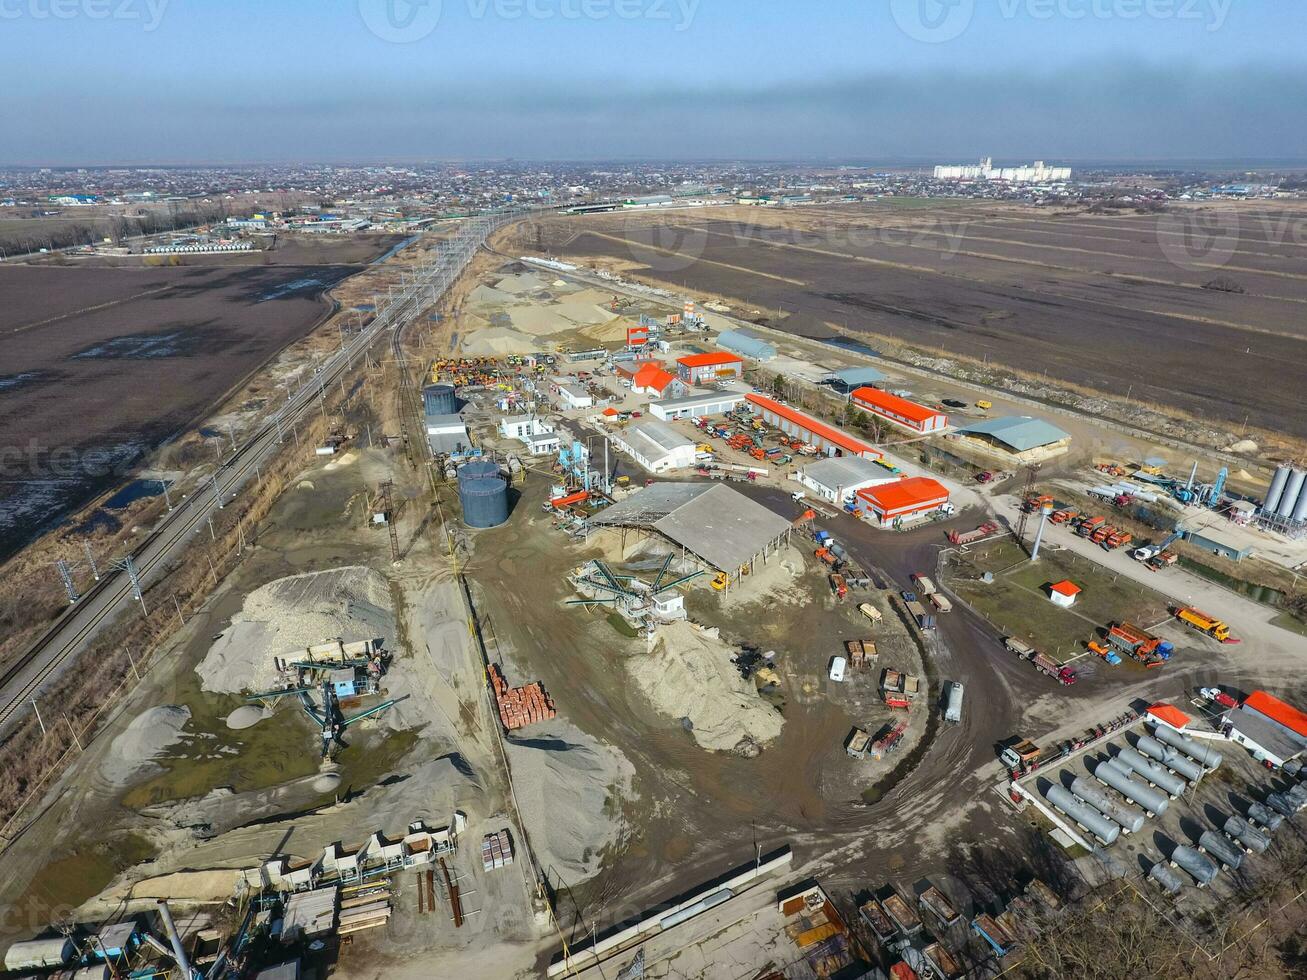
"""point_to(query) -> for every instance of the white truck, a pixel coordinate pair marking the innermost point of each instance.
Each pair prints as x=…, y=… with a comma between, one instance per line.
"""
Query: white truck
x=924, y=585
x=953, y=704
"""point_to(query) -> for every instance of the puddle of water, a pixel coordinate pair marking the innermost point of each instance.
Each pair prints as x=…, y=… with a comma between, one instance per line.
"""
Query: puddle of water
x=11, y=381
x=849, y=344
x=134, y=491
x=289, y=288
x=75, y=877
x=136, y=347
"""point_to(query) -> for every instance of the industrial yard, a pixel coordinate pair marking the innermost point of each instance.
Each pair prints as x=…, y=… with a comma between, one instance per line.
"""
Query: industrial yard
x=606, y=593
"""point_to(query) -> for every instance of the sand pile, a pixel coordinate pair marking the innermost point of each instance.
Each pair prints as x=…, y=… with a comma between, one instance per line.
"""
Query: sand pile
x=612, y=329
x=149, y=735
x=690, y=675
x=285, y=616
x=490, y=296
x=570, y=788
x=539, y=321
x=497, y=342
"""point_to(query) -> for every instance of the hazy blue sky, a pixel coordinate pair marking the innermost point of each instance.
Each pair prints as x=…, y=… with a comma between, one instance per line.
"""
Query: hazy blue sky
x=92, y=81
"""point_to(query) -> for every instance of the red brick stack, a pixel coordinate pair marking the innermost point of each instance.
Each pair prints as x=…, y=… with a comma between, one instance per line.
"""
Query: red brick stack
x=520, y=706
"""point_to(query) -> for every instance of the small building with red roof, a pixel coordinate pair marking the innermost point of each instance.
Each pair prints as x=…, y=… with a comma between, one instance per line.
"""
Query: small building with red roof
x=909, y=499
x=718, y=365
x=900, y=411
x=655, y=381
x=1063, y=593
x=1168, y=715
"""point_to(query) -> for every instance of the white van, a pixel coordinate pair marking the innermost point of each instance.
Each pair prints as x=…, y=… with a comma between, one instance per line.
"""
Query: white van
x=837, y=667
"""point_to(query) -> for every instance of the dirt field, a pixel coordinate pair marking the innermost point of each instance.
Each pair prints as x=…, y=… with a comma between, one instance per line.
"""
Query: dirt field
x=102, y=365
x=1115, y=303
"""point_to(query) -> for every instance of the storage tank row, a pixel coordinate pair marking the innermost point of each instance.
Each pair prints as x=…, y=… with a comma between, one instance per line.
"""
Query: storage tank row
x=483, y=493
x=1287, y=496
x=439, y=400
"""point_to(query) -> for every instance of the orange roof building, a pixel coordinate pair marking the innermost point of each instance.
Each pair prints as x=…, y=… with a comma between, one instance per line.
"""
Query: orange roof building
x=898, y=410
x=1063, y=593
x=800, y=425
x=713, y=365
x=1169, y=715
x=1284, y=715
x=654, y=380
x=908, y=499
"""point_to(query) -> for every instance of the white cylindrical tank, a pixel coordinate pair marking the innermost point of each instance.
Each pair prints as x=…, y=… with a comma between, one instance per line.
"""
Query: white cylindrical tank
x=1151, y=771
x=1275, y=492
x=1171, y=758
x=1210, y=758
x=1131, y=820
x=1292, y=489
x=1091, y=820
x=1200, y=867
x=1220, y=847
x=1154, y=801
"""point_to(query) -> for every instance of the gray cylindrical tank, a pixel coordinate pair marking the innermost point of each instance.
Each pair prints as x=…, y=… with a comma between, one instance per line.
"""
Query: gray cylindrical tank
x=1248, y=838
x=1150, y=771
x=1131, y=821
x=1210, y=758
x=1297, y=796
x=1221, y=848
x=485, y=502
x=1200, y=867
x=1154, y=801
x=1093, y=821
x=1265, y=816
x=1167, y=879
x=1280, y=805
x=1291, y=491
x=439, y=400
x=478, y=469
x=1171, y=758
x=1292, y=768
x=1276, y=490
x=1300, y=509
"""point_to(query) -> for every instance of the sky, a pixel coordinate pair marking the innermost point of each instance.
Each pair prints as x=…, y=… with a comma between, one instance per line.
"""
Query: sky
x=265, y=81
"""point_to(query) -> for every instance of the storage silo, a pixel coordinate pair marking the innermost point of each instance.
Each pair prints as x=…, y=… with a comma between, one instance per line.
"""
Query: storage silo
x=439, y=400
x=485, y=502
x=1200, y=867
x=1151, y=772
x=1093, y=821
x=1300, y=509
x=1289, y=500
x=1154, y=801
x=1219, y=846
x=1276, y=490
x=1210, y=759
x=1131, y=820
x=1171, y=758
x=478, y=469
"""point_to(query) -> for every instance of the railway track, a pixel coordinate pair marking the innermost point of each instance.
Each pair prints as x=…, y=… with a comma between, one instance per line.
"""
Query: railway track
x=51, y=653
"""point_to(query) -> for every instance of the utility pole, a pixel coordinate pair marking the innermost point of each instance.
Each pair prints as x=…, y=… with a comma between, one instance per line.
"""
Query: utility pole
x=90, y=560
x=66, y=574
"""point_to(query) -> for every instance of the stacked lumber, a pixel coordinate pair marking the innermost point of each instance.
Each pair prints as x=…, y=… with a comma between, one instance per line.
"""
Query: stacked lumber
x=520, y=706
x=496, y=850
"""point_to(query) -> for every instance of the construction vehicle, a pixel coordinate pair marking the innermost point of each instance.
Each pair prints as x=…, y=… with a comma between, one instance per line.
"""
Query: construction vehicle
x=873, y=914
x=924, y=620
x=860, y=653
x=1207, y=625
x=1105, y=652
x=1117, y=538
x=1089, y=526
x=1041, y=662
x=940, y=602
x=856, y=744
x=986, y=530
x=1150, y=551
x=1158, y=562
x=924, y=585
x=720, y=581
x=870, y=611
x=838, y=586
x=1036, y=502
x=889, y=741
x=1215, y=694
x=1064, y=515
x=1020, y=755
x=902, y=915
x=824, y=556
x=937, y=904
x=984, y=405
x=1149, y=650
x=953, y=706
x=898, y=690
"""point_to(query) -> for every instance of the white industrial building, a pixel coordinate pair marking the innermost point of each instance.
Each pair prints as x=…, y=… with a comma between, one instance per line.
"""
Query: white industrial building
x=655, y=445
x=1036, y=173
x=700, y=403
x=543, y=443
x=839, y=478
x=447, y=434
x=524, y=426
x=574, y=396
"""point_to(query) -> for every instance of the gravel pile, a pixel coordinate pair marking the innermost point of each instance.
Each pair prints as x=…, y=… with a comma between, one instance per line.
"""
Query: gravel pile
x=690, y=676
x=288, y=615
x=149, y=735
